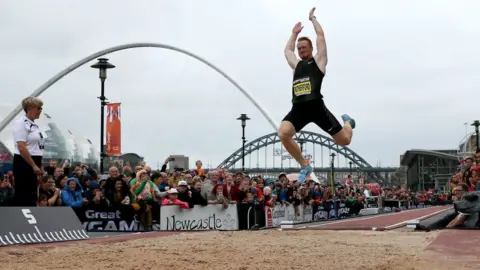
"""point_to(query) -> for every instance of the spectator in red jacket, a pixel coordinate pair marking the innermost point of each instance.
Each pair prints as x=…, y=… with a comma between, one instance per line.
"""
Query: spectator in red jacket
x=268, y=198
x=259, y=186
x=230, y=190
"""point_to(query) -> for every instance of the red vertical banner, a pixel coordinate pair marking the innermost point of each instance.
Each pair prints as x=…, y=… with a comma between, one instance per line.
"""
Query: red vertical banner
x=114, y=131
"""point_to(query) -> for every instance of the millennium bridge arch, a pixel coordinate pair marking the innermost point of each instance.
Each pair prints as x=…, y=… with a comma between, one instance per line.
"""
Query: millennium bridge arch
x=98, y=54
x=306, y=136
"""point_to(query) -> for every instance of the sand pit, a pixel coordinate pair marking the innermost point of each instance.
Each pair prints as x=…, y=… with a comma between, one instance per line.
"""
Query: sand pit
x=236, y=250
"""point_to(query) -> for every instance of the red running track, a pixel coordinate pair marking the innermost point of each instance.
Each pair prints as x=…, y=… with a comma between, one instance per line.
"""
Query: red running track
x=381, y=222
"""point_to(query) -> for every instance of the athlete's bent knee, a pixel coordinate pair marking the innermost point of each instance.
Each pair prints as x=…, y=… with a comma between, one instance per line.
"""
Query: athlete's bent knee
x=284, y=134
x=286, y=131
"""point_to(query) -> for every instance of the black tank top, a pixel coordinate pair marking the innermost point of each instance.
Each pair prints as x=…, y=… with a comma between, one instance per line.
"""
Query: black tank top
x=307, y=82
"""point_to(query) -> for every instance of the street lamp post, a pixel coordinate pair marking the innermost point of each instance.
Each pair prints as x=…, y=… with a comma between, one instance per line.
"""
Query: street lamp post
x=350, y=163
x=332, y=171
x=434, y=170
x=466, y=134
x=359, y=174
x=476, y=124
x=102, y=65
x=243, y=118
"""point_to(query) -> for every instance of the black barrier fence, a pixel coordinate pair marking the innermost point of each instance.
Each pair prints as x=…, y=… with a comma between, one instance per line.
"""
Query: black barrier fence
x=250, y=216
x=31, y=225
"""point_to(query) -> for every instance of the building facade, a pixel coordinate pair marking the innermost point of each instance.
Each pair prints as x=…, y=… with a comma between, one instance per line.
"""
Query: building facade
x=130, y=159
x=180, y=162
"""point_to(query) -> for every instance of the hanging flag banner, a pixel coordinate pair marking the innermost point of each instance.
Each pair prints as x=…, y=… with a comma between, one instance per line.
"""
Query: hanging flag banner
x=114, y=134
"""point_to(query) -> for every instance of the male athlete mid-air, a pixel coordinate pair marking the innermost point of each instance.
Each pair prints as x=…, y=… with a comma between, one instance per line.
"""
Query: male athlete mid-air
x=307, y=100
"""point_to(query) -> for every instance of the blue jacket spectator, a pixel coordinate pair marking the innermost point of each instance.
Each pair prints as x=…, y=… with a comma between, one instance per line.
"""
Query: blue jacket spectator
x=283, y=195
x=79, y=185
x=72, y=193
x=162, y=186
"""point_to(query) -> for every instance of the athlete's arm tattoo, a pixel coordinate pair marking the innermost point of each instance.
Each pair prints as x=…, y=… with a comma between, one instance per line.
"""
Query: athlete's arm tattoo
x=321, y=57
x=290, y=51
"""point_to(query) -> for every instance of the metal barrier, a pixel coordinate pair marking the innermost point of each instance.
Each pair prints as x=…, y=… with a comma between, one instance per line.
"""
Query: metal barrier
x=258, y=216
x=248, y=217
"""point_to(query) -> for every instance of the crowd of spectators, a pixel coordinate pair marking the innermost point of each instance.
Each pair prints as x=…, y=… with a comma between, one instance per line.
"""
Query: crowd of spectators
x=358, y=195
x=468, y=173
x=466, y=179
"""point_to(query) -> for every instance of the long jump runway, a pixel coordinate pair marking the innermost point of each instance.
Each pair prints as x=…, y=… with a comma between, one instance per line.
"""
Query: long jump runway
x=379, y=222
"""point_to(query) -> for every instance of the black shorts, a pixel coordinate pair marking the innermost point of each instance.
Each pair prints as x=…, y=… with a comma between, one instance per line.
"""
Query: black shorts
x=313, y=111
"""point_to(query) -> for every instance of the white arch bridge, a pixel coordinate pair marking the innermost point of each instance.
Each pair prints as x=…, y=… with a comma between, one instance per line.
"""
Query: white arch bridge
x=354, y=163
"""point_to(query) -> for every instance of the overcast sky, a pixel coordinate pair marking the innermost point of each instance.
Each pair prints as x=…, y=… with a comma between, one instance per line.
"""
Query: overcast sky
x=407, y=71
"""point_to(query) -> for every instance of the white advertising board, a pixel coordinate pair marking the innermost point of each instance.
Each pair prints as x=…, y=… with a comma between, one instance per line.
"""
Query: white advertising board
x=274, y=216
x=199, y=218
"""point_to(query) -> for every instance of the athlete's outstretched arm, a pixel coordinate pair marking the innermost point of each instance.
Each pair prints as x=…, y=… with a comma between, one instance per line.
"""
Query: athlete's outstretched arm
x=321, y=57
x=290, y=48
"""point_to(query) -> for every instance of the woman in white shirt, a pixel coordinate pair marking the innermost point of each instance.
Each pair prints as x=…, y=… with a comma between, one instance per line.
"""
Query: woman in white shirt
x=27, y=159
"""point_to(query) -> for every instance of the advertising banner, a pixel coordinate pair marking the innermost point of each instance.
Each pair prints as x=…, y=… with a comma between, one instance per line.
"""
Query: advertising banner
x=337, y=210
x=110, y=219
x=210, y=217
x=274, y=216
x=114, y=131
x=28, y=225
x=372, y=202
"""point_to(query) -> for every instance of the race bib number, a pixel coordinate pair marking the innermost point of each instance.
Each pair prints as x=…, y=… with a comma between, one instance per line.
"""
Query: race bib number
x=302, y=86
